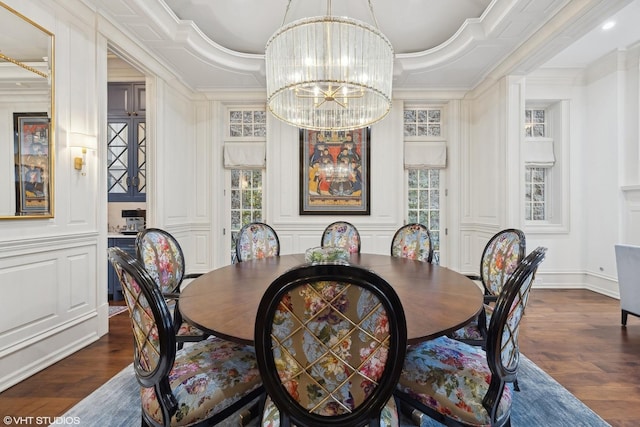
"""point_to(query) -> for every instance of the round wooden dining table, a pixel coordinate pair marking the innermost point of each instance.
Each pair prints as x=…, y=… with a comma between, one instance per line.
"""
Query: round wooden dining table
x=436, y=300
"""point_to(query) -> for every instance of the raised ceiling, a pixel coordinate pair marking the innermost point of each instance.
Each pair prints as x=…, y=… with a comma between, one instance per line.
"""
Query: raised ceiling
x=439, y=44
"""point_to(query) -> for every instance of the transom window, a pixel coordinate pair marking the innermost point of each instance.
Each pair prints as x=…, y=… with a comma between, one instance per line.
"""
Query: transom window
x=247, y=123
x=535, y=124
x=422, y=122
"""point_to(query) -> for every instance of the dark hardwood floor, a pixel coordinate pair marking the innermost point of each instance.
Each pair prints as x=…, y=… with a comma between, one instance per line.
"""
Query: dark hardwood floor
x=574, y=335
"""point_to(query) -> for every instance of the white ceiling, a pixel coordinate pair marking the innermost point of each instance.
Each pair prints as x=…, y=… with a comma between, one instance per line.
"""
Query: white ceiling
x=598, y=42
x=439, y=44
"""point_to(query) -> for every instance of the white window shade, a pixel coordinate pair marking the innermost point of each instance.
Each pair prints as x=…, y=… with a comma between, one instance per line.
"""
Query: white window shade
x=244, y=155
x=539, y=153
x=425, y=154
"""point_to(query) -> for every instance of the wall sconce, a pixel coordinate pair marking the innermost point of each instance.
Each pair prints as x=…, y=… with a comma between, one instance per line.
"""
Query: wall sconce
x=85, y=142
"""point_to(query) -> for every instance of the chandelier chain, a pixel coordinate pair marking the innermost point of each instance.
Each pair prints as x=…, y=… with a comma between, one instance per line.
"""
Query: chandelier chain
x=373, y=15
x=286, y=12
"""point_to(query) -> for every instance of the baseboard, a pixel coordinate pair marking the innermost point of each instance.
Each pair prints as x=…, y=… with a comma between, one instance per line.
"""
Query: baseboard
x=569, y=280
x=29, y=360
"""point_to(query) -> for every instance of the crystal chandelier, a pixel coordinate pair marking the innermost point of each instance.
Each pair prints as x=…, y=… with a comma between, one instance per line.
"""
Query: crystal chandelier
x=329, y=73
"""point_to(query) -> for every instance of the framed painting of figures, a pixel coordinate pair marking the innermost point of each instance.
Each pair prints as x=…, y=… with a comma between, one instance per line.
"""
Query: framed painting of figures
x=32, y=148
x=334, y=172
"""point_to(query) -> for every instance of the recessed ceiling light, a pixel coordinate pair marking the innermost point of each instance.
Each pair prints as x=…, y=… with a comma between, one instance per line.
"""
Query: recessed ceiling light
x=608, y=25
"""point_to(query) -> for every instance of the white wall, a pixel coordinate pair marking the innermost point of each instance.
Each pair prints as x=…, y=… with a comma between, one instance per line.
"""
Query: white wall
x=55, y=298
x=54, y=271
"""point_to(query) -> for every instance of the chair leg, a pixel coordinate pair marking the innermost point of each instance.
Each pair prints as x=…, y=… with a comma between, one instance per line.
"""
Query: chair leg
x=625, y=314
x=250, y=413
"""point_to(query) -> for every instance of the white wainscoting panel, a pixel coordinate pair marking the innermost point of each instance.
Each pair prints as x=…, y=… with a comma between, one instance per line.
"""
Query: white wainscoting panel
x=49, y=288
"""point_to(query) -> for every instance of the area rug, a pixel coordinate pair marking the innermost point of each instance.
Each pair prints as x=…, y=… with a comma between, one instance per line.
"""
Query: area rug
x=542, y=402
x=116, y=309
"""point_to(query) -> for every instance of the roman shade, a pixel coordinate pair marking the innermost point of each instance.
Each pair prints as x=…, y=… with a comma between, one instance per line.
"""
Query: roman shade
x=244, y=155
x=425, y=154
x=539, y=153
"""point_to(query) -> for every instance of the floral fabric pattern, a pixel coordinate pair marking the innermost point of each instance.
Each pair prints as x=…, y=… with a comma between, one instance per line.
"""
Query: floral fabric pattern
x=500, y=260
x=412, y=241
x=471, y=331
x=330, y=342
x=257, y=241
x=207, y=377
x=162, y=259
x=342, y=235
x=452, y=378
x=388, y=416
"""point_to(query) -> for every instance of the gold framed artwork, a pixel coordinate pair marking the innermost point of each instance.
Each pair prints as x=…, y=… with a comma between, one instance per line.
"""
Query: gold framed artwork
x=32, y=146
x=334, y=172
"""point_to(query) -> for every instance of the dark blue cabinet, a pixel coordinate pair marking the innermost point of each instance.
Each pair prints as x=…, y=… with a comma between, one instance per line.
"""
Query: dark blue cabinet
x=127, y=245
x=126, y=143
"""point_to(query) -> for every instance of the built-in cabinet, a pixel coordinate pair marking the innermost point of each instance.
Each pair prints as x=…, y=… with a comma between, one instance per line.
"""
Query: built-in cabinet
x=127, y=244
x=126, y=142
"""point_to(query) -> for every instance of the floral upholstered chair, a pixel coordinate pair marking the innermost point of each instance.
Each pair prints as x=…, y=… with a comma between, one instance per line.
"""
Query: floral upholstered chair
x=205, y=381
x=162, y=257
x=500, y=258
x=330, y=341
x=257, y=240
x=412, y=241
x=460, y=384
x=341, y=234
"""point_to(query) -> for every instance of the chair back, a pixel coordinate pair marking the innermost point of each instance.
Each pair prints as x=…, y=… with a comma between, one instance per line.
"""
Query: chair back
x=330, y=341
x=162, y=257
x=500, y=257
x=341, y=234
x=628, y=268
x=154, y=337
x=257, y=240
x=503, y=353
x=412, y=241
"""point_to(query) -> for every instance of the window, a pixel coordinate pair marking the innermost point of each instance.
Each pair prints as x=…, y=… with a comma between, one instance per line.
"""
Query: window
x=424, y=203
x=535, y=182
x=425, y=154
x=247, y=123
x=545, y=182
x=535, y=123
x=246, y=201
x=244, y=161
x=538, y=159
x=422, y=121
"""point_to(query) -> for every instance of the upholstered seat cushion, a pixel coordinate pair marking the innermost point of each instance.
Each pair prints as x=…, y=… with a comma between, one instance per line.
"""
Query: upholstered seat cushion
x=471, y=331
x=452, y=378
x=186, y=329
x=207, y=377
x=388, y=416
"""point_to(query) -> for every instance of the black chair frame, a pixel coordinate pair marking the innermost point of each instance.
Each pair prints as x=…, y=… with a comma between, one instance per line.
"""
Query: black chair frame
x=488, y=295
x=291, y=412
x=158, y=378
x=174, y=294
x=519, y=284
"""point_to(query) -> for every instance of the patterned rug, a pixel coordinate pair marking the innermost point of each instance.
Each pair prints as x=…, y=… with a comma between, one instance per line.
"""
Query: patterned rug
x=116, y=309
x=542, y=402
